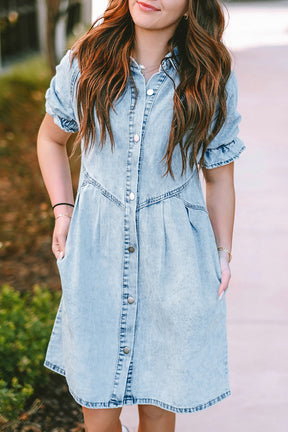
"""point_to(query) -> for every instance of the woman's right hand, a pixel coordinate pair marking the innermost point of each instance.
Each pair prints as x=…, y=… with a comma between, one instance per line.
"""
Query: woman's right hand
x=60, y=233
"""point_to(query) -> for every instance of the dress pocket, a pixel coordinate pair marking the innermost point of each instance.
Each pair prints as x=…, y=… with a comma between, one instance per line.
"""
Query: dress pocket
x=218, y=266
x=60, y=260
x=205, y=239
x=215, y=251
x=67, y=244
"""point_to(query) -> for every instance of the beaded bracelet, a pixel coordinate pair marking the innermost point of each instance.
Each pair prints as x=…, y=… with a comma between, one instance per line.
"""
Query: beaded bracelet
x=221, y=248
x=55, y=205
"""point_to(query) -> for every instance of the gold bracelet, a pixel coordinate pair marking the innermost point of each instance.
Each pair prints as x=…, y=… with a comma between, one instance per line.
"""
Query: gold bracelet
x=61, y=215
x=221, y=248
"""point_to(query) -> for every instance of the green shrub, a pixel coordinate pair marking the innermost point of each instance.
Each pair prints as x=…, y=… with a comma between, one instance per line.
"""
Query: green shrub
x=26, y=322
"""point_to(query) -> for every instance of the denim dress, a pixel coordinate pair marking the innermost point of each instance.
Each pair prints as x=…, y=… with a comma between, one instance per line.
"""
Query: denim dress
x=139, y=321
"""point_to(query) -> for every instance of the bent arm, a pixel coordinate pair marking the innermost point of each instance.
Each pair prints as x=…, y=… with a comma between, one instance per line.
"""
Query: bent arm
x=220, y=201
x=55, y=169
x=54, y=163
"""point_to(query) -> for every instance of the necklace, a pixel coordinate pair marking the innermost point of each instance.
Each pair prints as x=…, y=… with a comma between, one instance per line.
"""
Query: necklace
x=150, y=69
x=145, y=68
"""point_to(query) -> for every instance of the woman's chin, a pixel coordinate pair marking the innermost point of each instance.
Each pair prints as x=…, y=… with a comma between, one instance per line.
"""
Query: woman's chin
x=146, y=23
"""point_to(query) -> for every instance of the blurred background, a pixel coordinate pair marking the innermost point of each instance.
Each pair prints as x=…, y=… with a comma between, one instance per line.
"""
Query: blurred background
x=34, y=35
x=42, y=26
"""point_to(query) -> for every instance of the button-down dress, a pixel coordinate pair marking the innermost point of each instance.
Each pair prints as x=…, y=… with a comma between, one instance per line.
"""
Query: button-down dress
x=139, y=320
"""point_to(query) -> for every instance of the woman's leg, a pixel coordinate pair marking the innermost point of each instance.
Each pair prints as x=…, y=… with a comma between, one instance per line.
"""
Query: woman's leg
x=102, y=420
x=155, y=419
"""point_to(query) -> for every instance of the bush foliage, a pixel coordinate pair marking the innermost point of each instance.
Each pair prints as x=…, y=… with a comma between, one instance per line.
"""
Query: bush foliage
x=26, y=323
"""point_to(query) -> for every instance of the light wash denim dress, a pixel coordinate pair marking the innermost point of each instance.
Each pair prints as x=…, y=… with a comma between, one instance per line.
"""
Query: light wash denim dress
x=139, y=320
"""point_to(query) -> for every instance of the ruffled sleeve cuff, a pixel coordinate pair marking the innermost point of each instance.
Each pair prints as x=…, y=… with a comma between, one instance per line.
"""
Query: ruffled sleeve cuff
x=226, y=146
x=224, y=154
x=68, y=125
x=59, y=96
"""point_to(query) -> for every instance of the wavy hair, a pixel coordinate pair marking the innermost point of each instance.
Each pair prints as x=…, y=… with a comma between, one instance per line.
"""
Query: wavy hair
x=204, y=67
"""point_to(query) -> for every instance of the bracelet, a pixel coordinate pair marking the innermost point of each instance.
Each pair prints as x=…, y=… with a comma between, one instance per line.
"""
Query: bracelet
x=55, y=205
x=221, y=248
x=61, y=215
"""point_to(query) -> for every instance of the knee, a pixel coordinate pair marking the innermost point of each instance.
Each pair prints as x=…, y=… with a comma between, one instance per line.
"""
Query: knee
x=100, y=420
x=151, y=411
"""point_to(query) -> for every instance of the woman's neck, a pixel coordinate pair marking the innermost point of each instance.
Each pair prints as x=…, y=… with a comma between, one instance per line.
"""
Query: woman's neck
x=150, y=47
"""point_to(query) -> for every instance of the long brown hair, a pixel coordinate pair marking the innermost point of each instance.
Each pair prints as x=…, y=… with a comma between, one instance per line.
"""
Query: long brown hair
x=204, y=68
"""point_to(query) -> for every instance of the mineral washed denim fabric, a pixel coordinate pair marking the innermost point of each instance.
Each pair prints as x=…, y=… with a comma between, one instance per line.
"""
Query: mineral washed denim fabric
x=139, y=320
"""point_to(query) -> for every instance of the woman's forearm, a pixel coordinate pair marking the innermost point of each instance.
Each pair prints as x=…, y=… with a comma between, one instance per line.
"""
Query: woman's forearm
x=54, y=164
x=220, y=202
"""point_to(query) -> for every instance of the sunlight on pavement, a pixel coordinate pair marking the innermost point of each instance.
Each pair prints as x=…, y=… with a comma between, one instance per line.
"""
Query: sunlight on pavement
x=257, y=24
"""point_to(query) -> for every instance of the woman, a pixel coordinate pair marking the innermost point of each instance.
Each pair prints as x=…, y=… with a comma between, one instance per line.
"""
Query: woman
x=144, y=261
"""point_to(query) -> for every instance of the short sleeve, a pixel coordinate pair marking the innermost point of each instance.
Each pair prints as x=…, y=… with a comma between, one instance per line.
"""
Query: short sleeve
x=226, y=146
x=59, y=96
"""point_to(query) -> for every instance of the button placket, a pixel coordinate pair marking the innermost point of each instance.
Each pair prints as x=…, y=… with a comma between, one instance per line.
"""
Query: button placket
x=130, y=265
x=137, y=121
x=130, y=299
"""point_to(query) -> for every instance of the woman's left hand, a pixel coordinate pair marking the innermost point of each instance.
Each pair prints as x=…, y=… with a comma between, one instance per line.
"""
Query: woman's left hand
x=226, y=273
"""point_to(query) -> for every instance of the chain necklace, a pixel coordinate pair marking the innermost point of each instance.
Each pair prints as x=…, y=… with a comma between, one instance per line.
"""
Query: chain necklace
x=145, y=69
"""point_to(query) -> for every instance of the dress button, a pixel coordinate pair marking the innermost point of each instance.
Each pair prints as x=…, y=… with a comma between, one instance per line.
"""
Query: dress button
x=136, y=138
x=150, y=92
x=130, y=299
x=131, y=249
x=126, y=350
x=132, y=196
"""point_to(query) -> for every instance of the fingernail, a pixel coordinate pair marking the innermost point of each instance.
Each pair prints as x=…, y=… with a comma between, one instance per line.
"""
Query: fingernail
x=221, y=295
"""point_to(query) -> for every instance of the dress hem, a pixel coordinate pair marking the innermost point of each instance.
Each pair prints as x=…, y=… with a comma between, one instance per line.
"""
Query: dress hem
x=130, y=400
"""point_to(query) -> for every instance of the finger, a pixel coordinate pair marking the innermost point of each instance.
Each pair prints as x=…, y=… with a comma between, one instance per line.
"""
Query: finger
x=224, y=285
x=58, y=253
x=57, y=249
x=59, y=241
x=62, y=244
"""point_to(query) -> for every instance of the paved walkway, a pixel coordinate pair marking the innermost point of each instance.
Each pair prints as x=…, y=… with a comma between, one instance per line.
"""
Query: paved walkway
x=257, y=301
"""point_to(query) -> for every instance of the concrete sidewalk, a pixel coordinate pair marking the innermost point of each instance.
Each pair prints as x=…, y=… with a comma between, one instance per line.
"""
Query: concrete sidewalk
x=257, y=300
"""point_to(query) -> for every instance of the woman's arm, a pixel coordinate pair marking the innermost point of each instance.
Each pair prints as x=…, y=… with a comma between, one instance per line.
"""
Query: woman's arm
x=55, y=169
x=220, y=202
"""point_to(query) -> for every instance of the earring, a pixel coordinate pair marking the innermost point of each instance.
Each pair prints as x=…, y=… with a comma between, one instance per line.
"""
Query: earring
x=185, y=17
